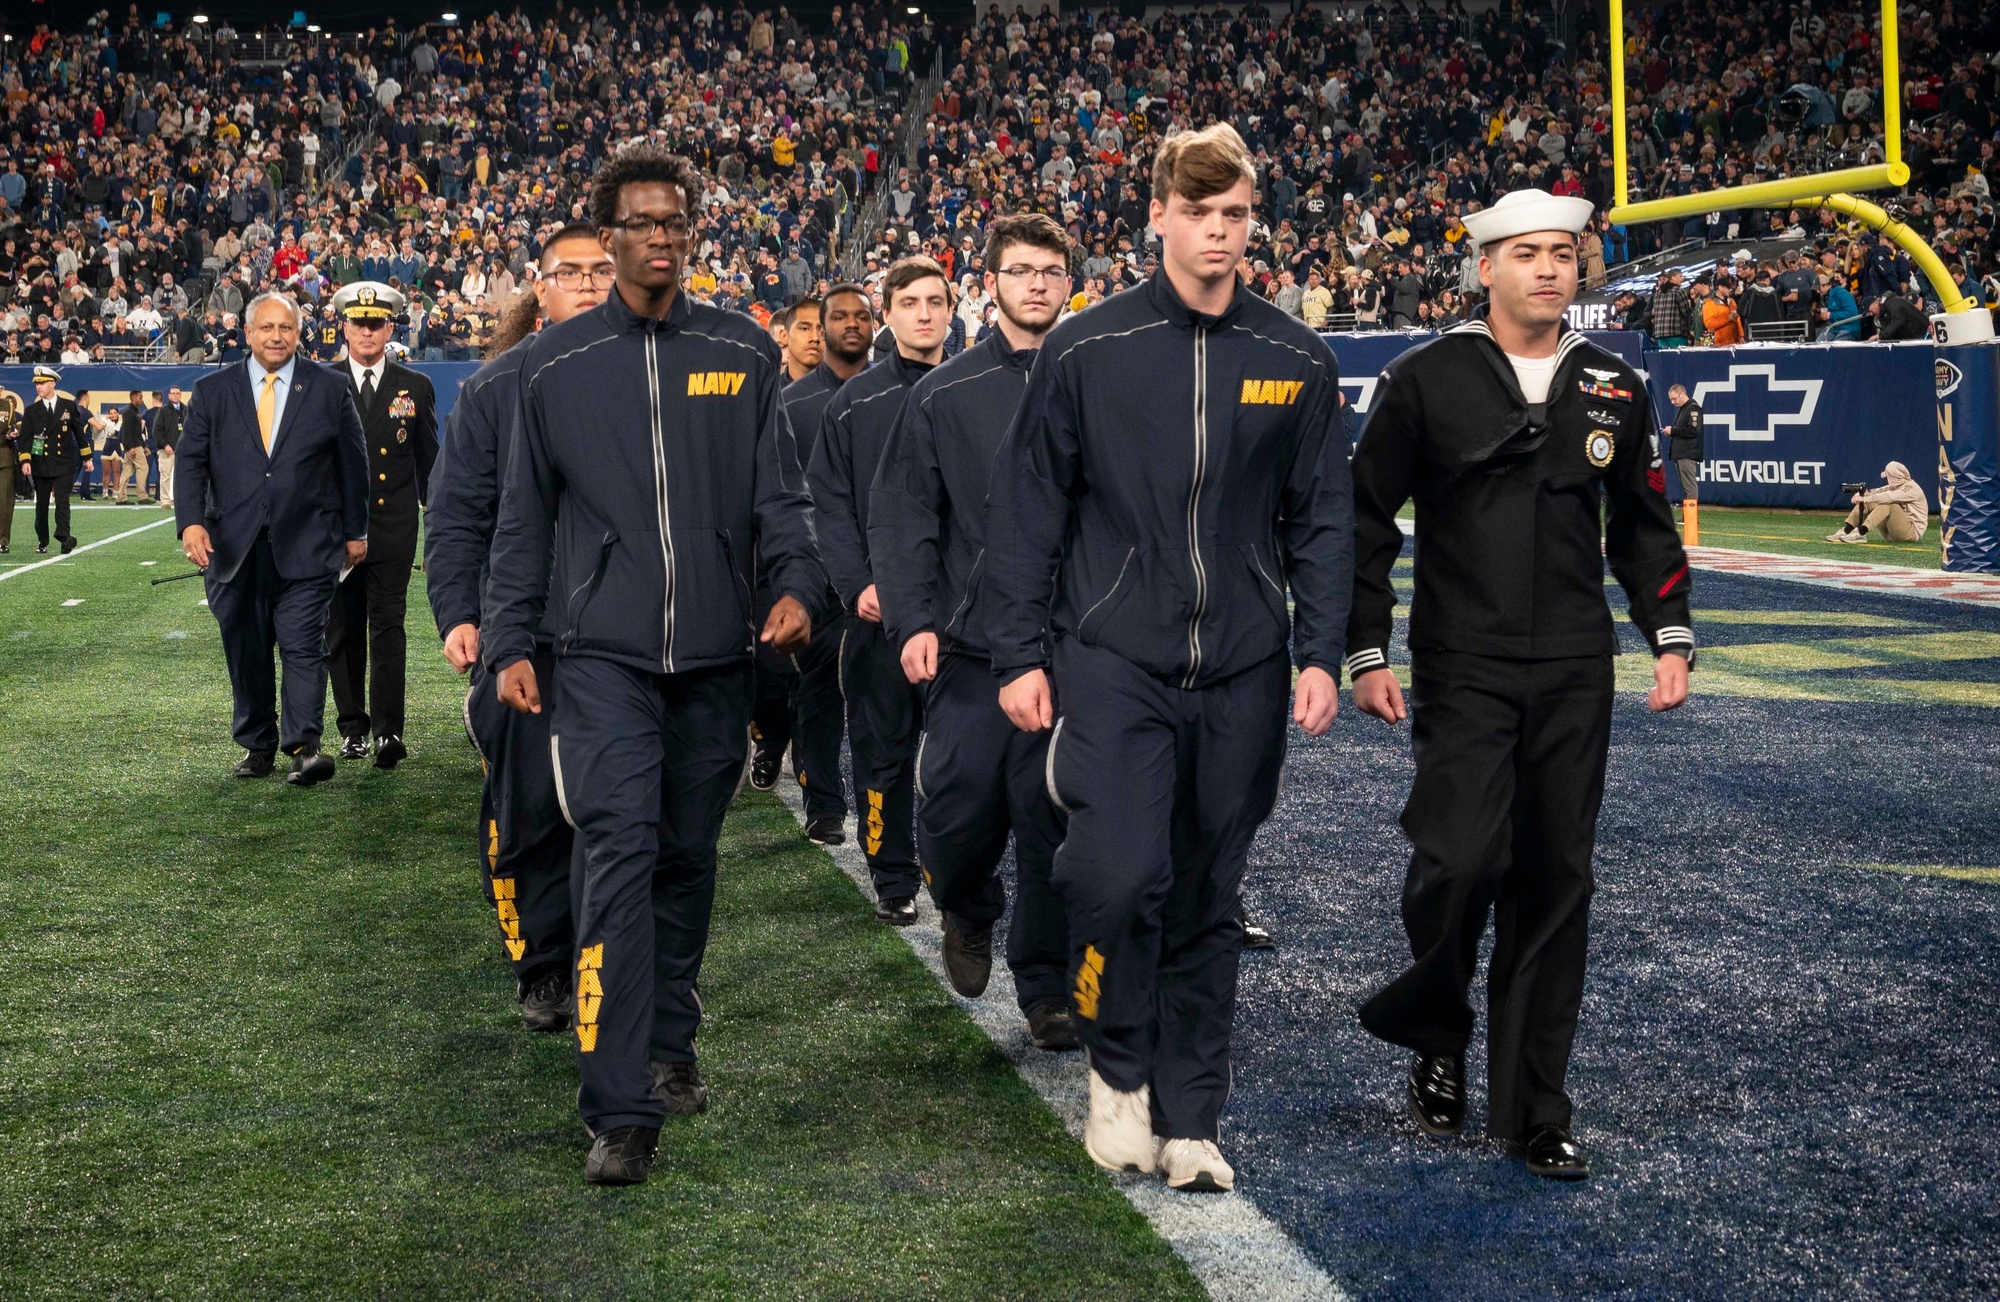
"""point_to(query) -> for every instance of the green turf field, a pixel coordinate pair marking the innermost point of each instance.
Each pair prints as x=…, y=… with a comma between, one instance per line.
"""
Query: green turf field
x=260, y=1042
x=1803, y=533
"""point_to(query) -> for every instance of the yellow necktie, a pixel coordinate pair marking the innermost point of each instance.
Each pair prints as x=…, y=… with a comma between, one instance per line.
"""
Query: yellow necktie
x=267, y=409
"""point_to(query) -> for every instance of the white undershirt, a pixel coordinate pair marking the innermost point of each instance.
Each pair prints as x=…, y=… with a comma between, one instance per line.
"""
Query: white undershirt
x=1535, y=374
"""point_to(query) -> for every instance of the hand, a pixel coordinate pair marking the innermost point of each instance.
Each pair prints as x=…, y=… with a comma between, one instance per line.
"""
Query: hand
x=1670, y=684
x=461, y=647
x=788, y=626
x=1026, y=702
x=1378, y=693
x=920, y=658
x=357, y=551
x=1857, y=499
x=1315, y=701
x=869, y=607
x=196, y=546
x=518, y=688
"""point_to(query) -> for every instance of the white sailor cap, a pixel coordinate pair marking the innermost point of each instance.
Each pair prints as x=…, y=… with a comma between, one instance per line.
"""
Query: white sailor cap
x=1521, y=212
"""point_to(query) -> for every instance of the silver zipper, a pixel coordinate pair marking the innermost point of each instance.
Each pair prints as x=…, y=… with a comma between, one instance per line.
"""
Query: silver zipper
x=660, y=483
x=1049, y=769
x=1258, y=561
x=1194, y=503
x=1130, y=552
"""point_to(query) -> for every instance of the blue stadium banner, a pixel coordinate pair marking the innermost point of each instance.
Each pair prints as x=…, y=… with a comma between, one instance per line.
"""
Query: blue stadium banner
x=1788, y=425
x=1968, y=436
x=1362, y=357
x=112, y=385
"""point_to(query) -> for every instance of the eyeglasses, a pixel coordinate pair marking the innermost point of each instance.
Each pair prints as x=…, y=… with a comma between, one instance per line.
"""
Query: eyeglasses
x=677, y=227
x=1020, y=275
x=573, y=278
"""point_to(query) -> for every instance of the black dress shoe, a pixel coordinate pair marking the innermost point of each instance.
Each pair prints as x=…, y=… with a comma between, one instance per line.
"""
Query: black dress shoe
x=69, y=544
x=1551, y=1151
x=679, y=1087
x=898, y=911
x=390, y=751
x=622, y=1155
x=1437, y=1093
x=1051, y=1027
x=764, y=769
x=42, y=549
x=968, y=957
x=827, y=830
x=1254, y=936
x=309, y=768
x=255, y=764
x=547, y=1005
x=354, y=748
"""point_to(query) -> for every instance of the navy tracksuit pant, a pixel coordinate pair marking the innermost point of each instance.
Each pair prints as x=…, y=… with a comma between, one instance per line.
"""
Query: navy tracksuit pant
x=524, y=843
x=978, y=777
x=1164, y=788
x=1502, y=818
x=798, y=704
x=645, y=767
x=259, y=609
x=884, y=712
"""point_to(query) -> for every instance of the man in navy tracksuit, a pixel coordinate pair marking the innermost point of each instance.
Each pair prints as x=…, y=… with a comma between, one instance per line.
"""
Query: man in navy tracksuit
x=884, y=710
x=654, y=458
x=1176, y=464
x=813, y=721
x=978, y=776
x=523, y=843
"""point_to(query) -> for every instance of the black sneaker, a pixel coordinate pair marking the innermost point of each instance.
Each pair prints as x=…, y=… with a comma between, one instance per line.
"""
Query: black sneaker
x=548, y=1005
x=764, y=769
x=678, y=1085
x=968, y=957
x=390, y=751
x=1051, y=1027
x=897, y=911
x=255, y=764
x=354, y=748
x=1254, y=936
x=828, y=829
x=622, y=1155
x=309, y=768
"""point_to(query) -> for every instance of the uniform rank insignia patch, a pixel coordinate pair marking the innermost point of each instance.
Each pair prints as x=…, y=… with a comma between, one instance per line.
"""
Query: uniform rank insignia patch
x=1595, y=390
x=1599, y=447
x=403, y=407
x=1602, y=416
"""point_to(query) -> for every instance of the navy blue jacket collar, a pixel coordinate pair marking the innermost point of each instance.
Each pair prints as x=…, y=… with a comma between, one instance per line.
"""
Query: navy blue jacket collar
x=1170, y=306
x=622, y=319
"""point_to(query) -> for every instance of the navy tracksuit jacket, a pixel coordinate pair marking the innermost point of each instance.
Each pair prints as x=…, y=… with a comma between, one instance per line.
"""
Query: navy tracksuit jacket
x=978, y=776
x=655, y=459
x=522, y=842
x=883, y=710
x=1176, y=472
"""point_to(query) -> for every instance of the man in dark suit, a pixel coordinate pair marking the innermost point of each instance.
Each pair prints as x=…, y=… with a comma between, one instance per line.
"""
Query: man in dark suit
x=365, y=634
x=271, y=500
x=54, y=442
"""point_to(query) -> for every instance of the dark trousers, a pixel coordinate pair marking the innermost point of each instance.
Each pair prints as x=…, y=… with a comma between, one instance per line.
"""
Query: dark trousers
x=799, y=705
x=258, y=610
x=46, y=487
x=365, y=639
x=884, y=712
x=524, y=844
x=1164, y=789
x=978, y=777
x=645, y=767
x=7, y=473
x=1502, y=818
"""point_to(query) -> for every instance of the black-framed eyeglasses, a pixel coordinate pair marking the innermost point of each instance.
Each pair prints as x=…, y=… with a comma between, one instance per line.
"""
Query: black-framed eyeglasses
x=574, y=278
x=677, y=227
x=1021, y=275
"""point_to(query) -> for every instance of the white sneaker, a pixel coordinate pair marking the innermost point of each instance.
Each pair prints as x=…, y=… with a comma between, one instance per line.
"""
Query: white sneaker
x=1120, y=1134
x=1196, y=1166
x=1841, y=536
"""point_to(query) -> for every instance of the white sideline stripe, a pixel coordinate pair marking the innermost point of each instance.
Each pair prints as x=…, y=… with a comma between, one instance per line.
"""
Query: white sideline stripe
x=1237, y=1253
x=101, y=542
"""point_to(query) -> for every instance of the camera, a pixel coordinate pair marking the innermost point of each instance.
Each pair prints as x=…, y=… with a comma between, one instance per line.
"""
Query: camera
x=1849, y=490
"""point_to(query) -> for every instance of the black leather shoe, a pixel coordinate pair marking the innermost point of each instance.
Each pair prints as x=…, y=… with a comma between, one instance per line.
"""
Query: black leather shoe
x=1551, y=1152
x=827, y=830
x=354, y=748
x=899, y=911
x=679, y=1086
x=69, y=544
x=548, y=1005
x=1254, y=936
x=390, y=751
x=309, y=768
x=42, y=549
x=764, y=769
x=1051, y=1027
x=1437, y=1093
x=255, y=764
x=968, y=957
x=622, y=1155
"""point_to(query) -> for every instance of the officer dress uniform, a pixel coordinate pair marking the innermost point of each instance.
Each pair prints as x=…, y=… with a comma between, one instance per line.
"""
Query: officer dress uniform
x=1511, y=644
x=655, y=460
x=977, y=775
x=55, y=437
x=1176, y=472
x=522, y=841
x=884, y=711
x=365, y=635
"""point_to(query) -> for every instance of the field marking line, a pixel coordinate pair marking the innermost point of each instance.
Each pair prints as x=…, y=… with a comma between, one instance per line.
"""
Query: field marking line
x=1238, y=1253
x=101, y=542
